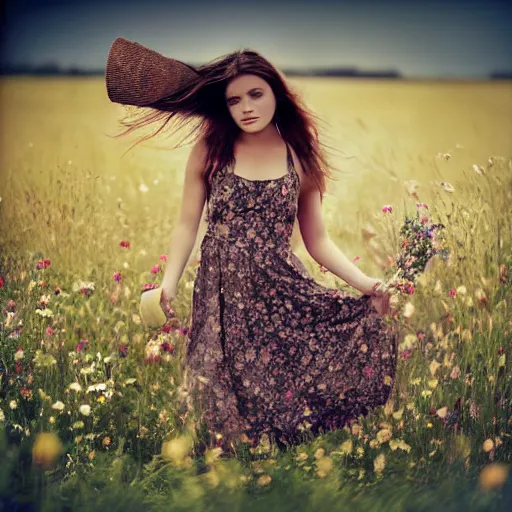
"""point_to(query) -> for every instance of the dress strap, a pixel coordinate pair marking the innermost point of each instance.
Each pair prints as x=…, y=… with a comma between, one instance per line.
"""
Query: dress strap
x=289, y=155
x=291, y=165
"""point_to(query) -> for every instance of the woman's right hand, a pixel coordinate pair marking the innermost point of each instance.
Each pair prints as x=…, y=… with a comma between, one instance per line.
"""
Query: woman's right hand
x=166, y=298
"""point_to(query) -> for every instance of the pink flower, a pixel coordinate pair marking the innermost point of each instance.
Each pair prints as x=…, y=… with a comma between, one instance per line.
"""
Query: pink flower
x=156, y=269
x=421, y=205
x=387, y=208
x=117, y=276
x=49, y=331
x=357, y=258
x=424, y=220
x=368, y=372
x=167, y=347
x=125, y=243
x=453, y=292
x=406, y=353
x=149, y=286
x=288, y=395
x=43, y=264
x=81, y=345
x=2, y=282
x=163, y=257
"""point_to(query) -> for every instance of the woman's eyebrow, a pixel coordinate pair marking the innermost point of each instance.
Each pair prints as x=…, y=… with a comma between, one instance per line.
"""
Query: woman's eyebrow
x=232, y=97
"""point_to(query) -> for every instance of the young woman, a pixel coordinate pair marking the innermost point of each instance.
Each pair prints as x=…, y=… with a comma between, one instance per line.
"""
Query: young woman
x=269, y=349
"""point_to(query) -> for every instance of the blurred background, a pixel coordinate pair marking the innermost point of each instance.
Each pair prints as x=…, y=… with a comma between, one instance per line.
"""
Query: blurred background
x=435, y=39
x=396, y=83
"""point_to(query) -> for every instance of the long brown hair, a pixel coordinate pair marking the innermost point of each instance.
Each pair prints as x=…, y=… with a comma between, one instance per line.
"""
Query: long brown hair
x=204, y=101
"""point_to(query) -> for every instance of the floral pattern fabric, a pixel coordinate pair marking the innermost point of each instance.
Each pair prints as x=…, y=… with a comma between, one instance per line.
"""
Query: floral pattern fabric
x=269, y=349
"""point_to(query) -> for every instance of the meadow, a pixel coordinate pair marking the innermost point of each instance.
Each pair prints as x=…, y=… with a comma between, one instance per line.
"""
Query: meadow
x=88, y=411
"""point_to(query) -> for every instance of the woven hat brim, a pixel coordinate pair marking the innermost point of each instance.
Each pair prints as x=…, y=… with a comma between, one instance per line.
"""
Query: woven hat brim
x=136, y=75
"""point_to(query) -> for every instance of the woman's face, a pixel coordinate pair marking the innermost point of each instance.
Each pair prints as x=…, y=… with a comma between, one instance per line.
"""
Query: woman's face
x=250, y=96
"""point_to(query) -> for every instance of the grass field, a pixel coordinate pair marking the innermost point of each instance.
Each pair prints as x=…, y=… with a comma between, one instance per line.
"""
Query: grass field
x=74, y=353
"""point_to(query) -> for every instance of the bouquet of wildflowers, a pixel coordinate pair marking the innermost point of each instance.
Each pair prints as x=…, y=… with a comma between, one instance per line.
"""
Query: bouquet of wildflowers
x=420, y=240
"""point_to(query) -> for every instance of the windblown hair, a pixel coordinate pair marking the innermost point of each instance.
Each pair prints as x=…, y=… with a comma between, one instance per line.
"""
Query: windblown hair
x=204, y=101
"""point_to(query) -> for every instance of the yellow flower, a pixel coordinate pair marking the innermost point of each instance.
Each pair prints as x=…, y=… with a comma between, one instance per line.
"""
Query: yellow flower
x=494, y=476
x=379, y=463
x=58, y=406
x=488, y=445
x=434, y=365
x=384, y=435
x=75, y=386
x=374, y=443
x=461, y=290
x=408, y=310
x=177, y=449
x=347, y=446
x=409, y=342
x=47, y=447
x=442, y=412
x=324, y=466
x=264, y=480
x=319, y=453
x=85, y=409
x=398, y=414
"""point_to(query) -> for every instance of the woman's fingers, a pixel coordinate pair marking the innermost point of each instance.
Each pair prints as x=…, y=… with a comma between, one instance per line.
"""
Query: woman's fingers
x=165, y=302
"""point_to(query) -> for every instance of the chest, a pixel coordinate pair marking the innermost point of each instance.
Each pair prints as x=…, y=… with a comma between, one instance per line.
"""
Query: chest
x=264, y=165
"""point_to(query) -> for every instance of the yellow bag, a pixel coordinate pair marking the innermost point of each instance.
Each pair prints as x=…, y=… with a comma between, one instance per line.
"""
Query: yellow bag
x=150, y=308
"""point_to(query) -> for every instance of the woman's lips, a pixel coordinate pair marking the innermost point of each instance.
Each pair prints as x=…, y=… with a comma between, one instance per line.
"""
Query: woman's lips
x=250, y=121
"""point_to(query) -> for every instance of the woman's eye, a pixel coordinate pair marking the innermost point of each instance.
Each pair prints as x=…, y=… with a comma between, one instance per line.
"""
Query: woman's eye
x=255, y=95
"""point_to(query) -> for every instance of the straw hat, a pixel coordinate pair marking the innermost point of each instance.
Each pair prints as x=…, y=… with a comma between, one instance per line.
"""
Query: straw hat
x=136, y=75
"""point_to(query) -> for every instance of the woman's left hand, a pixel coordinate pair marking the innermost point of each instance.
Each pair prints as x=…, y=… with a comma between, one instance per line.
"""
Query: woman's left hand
x=381, y=303
x=380, y=298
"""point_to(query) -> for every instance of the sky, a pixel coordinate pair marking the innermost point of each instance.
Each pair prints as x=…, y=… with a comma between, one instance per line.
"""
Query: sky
x=418, y=38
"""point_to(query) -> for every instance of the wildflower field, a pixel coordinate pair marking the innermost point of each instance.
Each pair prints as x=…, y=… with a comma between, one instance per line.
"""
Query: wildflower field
x=89, y=396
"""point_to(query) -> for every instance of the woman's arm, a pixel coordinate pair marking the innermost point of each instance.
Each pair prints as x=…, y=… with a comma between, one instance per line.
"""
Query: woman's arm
x=184, y=234
x=326, y=253
x=318, y=243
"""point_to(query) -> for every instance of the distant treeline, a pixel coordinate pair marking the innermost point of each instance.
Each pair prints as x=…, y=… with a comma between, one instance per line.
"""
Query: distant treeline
x=54, y=69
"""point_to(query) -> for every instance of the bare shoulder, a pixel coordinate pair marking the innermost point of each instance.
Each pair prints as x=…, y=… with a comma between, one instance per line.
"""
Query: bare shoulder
x=305, y=181
x=198, y=154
